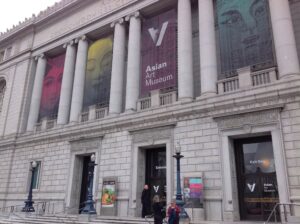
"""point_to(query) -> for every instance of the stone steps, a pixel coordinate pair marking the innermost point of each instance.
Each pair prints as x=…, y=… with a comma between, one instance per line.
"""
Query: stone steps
x=80, y=219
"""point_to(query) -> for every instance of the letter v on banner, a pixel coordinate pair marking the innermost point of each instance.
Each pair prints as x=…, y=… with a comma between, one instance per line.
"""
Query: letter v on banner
x=157, y=39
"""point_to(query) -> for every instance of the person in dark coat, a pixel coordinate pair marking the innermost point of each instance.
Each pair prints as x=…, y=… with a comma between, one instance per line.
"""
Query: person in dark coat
x=146, y=201
x=157, y=209
x=173, y=213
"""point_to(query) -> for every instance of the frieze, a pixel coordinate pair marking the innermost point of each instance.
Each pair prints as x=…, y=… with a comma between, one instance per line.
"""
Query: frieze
x=106, y=7
x=152, y=135
x=85, y=144
x=247, y=120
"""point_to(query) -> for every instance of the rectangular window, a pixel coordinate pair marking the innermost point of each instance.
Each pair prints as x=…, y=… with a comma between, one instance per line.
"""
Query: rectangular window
x=8, y=52
x=1, y=55
x=36, y=175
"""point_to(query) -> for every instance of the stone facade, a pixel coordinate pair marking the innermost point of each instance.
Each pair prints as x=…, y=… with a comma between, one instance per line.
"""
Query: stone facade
x=205, y=126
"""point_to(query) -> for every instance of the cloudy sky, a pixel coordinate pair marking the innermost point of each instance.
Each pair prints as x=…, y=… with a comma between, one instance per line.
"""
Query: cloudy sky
x=13, y=11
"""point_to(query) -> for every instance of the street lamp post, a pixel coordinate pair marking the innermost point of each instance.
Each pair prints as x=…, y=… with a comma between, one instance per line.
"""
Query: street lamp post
x=28, y=203
x=89, y=205
x=183, y=216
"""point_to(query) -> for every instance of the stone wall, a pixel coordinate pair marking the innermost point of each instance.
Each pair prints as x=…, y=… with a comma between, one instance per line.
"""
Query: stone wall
x=290, y=120
x=295, y=9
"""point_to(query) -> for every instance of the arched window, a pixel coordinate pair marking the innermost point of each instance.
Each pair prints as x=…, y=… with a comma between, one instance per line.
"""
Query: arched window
x=2, y=92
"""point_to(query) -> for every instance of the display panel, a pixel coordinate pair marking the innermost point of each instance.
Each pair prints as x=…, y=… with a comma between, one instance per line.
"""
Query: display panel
x=51, y=87
x=98, y=73
x=158, y=70
x=245, y=35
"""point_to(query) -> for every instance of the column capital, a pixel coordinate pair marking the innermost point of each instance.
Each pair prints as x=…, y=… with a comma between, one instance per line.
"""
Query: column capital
x=39, y=56
x=118, y=21
x=71, y=43
x=136, y=14
x=83, y=38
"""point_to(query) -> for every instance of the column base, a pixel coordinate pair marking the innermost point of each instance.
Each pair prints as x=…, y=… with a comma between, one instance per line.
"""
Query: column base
x=206, y=95
x=290, y=76
x=185, y=99
x=129, y=111
x=113, y=114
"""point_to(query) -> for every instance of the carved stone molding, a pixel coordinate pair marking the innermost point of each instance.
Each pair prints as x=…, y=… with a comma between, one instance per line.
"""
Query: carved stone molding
x=84, y=144
x=248, y=120
x=152, y=134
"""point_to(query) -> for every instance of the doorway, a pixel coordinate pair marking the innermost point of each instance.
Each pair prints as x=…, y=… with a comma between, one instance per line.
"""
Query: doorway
x=155, y=172
x=256, y=177
x=84, y=183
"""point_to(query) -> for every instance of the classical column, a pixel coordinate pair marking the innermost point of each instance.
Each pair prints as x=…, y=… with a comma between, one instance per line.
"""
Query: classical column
x=133, y=63
x=208, y=57
x=117, y=73
x=67, y=84
x=36, y=92
x=79, y=78
x=185, y=52
x=284, y=39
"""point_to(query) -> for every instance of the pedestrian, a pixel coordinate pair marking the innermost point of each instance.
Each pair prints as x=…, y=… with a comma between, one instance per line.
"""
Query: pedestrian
x=146, y=201
x=157, y=209
x=173, y=213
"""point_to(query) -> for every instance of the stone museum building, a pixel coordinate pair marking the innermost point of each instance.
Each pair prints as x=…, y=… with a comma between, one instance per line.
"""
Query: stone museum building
x=132, y=82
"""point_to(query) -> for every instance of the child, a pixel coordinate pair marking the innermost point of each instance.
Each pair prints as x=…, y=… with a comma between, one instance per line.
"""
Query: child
x=173, y=213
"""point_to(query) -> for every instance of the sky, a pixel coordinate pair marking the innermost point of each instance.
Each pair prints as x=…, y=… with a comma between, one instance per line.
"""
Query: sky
x=13, y=11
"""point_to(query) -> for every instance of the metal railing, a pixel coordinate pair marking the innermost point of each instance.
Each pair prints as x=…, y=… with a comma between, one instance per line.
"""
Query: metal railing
x=166, y=98
x=284, y=211
x=263, y=77
x=145, y=103
x=55, y=210
x=228, y=85
x=84, y=116
x=101, y=112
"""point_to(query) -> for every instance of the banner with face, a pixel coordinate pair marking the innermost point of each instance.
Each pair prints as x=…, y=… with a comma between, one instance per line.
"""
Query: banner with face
x=98, y=73
x=245, y=34
x=51, y=87
x=158, y=68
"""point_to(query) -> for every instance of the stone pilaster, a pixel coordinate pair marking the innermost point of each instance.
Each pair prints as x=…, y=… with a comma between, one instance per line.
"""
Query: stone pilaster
x=133, y=64
x=36, y=92
x=118, y=65
x=67, y=84
x=79, y=79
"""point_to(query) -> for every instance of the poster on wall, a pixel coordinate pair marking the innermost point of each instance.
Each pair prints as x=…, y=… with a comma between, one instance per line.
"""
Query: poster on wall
x=108, y=197
x=193, y=192
x=245, y=35
x=51, y=87
x=98, y=73
x=158, y=70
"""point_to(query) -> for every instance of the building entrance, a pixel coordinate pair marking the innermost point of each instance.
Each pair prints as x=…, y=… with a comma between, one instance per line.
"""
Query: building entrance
x=84, y=182
x=156, y=172
x=256, y=177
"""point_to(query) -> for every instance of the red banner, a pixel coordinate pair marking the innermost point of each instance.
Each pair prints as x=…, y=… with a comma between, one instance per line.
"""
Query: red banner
x=159, y=52
x=51, y=87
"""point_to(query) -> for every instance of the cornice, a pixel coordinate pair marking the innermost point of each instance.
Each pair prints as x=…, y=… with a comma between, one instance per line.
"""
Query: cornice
x=43, y=15
x=169, y=115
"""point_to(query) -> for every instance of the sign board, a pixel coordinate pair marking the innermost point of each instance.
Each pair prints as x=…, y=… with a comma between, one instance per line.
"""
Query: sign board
x=193, y=192
x=158, y=69
x=109, y=196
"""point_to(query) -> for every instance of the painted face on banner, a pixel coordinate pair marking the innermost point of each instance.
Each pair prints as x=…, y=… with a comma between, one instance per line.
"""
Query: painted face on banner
x=98, y=73
x=245, y=33
x=52, y=86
